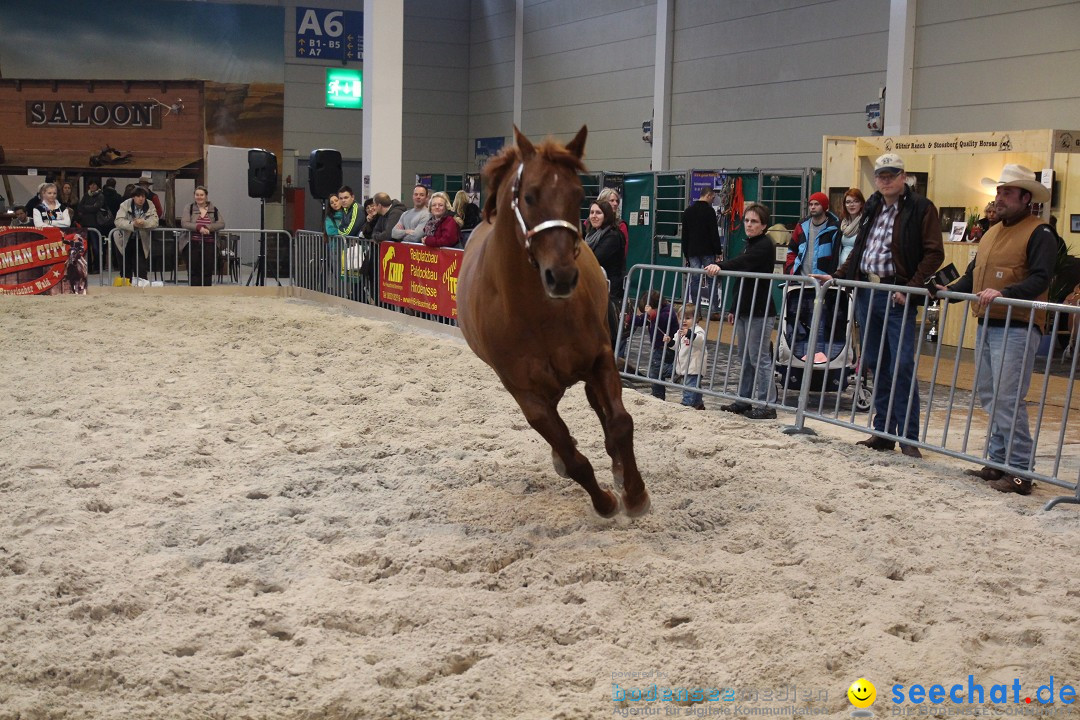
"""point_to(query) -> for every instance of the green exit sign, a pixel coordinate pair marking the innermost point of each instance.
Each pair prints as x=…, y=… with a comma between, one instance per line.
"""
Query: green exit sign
x=344, y=88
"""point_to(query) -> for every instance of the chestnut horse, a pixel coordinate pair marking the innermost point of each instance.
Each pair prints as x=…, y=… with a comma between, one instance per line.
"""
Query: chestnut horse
x=533, y=304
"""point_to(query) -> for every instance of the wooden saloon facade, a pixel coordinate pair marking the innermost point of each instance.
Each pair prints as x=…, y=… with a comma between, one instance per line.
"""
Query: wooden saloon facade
x=64, y=128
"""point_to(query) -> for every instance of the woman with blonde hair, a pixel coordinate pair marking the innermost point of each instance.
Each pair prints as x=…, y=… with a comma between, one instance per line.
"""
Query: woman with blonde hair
x=50, y=212
x=441, y=230
x=466, y=213
x=611, y=197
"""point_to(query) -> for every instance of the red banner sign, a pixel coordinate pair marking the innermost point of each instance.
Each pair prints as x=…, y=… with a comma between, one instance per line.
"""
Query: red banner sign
x=34, y=267
x=419, y=277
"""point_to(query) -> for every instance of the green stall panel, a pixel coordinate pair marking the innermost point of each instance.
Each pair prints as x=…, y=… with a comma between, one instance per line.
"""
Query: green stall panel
x=590, y=183
x=453, y=184
x=653, y=203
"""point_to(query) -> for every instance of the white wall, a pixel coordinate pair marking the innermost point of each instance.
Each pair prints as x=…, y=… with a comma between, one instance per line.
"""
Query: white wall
x=996, y=65
x=591, y=63
x=491, y=72
x=758, y=84
x=435, y=101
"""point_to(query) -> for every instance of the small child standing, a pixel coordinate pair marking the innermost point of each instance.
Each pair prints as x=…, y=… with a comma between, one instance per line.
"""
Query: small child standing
x=690, y=355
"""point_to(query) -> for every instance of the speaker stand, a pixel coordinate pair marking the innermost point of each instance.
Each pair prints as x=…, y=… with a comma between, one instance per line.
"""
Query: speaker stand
x=258, y=270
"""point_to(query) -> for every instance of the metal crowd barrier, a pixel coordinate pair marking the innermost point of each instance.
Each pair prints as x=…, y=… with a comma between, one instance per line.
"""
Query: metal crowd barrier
x=346, y=267
x=823, y=373
x=236, y=257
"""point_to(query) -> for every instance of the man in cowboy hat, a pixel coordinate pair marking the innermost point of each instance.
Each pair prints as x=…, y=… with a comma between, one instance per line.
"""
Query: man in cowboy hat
x=1015, y=260
x=146, y=183
x=899, y=243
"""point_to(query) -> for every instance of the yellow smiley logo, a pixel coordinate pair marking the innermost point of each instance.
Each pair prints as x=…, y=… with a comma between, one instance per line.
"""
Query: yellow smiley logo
x=862, y=693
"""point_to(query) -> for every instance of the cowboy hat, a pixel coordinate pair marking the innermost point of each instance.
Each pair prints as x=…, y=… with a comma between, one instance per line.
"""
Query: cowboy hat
x=146, y=177
x=1019, y=176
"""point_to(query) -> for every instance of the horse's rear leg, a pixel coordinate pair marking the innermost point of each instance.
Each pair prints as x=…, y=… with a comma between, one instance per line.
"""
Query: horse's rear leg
x=605, y=395
x=544, y=418
x=616, y=461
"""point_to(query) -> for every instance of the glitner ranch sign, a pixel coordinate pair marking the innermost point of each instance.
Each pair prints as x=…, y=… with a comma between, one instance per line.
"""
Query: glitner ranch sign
x=79, y=114
x=34, y=263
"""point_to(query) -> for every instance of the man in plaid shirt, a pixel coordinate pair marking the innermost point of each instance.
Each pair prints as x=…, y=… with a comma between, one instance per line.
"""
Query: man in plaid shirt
x=898, y=246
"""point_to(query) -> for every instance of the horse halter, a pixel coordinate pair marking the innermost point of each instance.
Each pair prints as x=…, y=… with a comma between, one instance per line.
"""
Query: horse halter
x=540, y=227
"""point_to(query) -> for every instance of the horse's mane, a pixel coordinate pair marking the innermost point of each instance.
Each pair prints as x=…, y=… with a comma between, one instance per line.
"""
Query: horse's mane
x=507, y=160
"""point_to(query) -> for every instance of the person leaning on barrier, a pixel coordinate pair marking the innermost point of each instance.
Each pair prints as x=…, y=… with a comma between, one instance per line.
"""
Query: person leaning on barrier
x=137, y=216
x=899, y=243
x=440, y=230
x=753, y=316
x=410, y=227
x=350, y=223
x=389, y=212
x=204, y=221
x=1015, y=260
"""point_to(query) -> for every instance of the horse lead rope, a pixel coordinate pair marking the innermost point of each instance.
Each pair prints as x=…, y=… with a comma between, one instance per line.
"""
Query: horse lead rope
x=541, y=227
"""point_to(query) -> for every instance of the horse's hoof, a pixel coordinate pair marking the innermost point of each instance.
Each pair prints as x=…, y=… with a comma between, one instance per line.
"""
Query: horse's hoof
x=607, y=509
x=642, y=506
x=560, y=466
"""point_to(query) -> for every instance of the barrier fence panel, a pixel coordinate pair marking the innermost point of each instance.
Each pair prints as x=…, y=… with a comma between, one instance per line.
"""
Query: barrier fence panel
x=959, y=402
x=145, y=256
x=164, y=255
x=739, y=328
x=352, y=268
x=832, y=363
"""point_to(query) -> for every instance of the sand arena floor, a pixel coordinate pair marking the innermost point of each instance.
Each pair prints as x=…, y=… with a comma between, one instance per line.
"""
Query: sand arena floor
x=237, y=507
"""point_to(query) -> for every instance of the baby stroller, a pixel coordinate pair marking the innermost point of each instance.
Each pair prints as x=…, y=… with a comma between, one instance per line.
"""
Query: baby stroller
x=834, y=366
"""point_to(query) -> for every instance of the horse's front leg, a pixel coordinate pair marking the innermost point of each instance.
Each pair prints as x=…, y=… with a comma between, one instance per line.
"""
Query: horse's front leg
x=604, y=391
x=543, y=415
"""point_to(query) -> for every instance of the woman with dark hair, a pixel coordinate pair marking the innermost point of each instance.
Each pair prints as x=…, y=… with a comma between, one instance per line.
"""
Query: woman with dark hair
x=752, y=316
x=606, y=242
x=850, y=218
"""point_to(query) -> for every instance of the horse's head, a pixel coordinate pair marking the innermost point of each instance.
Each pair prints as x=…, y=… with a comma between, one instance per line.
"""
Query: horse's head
x=539, y=188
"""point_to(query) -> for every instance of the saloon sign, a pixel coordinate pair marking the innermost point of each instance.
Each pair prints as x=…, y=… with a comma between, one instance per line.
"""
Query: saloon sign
x=32, y=260
x=79, y=114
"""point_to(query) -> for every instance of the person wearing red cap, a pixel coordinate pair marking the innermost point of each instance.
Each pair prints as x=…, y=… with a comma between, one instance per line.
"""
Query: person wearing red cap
x=814, y=249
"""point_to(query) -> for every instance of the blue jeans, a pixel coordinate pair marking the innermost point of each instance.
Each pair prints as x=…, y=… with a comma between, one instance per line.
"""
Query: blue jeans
x=659, y=370
x=890, y=329
x=1006, y=359
x=689, y=397
x=694, y=282
x=754, y=337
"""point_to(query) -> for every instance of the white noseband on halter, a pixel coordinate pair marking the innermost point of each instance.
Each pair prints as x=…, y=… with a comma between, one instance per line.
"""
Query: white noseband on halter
x=541, y=227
